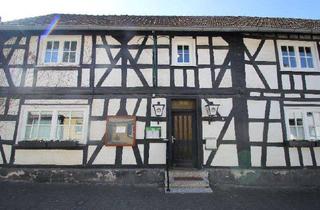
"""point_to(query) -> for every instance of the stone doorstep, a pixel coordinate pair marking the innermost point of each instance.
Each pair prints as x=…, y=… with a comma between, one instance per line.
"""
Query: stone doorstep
x=188, y=190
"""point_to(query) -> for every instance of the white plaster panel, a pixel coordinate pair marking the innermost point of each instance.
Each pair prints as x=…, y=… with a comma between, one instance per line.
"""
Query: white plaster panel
x=226, y=155
x=2, y=105
x=140, y=128
x=251, y=44
x=252, y=78
x=226, y=80
x=256, y=131
x=256, y=109
x=206, y=154
x=202, y=40
x=128, y=157
x=147, y=74
x=56, y=101
x=29, y=78
x=294, y=156
x=50, y=78
x=219, y=56
x=11, y=41
x=163, y=56
x=48, y=157
x=211, y=130
x=312, y=95
x=130, y=105
x=272, y=94
x=255, y=94
x=161, y=101
x=255, y=156
x=230, y=132
x=203, y=56
x=32, y=54
x=312, y=82
x=165, y=40
x=7, y=151
x=13, y=106
x=275, y=156
x=178, y=77
x=113, y=106
x=306, y=157
x=292, y=95
x=97, y=107
x=97, y=129
x=112, y=41
x=16, y=74
x=141, y=151
x=114, y=53
x=267, y=52
x=270, y=74
x=317, y=155
x=3, y=79
x=274, y=110
x=85, y=78
x=157, y=153
x=142, y=111
x=133, y=79
x=275, y=133
x=190, y=78
x=139, y=39
x=219, y=41
x=133, y=53
x=112, y=80
x=17, y=57
x=145, y=57
x=7, y=129
x=205, y=78
x=297, y=82
x=23, y=41
x=106, y=156
x=163, y=126
x=102, y=56
x=285, y=82
x=163, y=77
x=87, y=50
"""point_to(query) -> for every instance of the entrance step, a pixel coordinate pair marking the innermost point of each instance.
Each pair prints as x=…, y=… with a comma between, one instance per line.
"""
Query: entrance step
x=188, y=181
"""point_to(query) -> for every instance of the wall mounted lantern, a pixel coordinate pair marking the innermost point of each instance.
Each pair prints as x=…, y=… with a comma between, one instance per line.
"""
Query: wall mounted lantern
x=158, y=109
x=212, y=110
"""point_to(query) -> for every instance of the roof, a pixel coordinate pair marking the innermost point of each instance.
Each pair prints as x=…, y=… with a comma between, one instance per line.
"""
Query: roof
x=160, y=23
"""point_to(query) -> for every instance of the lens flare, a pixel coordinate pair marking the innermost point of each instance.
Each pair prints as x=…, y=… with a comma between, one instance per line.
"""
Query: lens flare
x=52, y=26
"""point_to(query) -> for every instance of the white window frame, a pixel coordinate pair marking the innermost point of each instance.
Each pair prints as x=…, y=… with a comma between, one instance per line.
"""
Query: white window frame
x=61, y=39
x=54, y=109
x=304, y=111
x=186, y=41
x=296, y=45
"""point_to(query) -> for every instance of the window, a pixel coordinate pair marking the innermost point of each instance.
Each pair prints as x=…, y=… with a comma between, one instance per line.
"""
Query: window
x=183, y=51
x=54, y=123
x=60, y=50
x=183, y=54
x=298, y=55
x=303, y=123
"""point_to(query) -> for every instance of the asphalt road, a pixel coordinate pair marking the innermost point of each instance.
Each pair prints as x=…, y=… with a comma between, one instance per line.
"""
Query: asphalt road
x=14, y=195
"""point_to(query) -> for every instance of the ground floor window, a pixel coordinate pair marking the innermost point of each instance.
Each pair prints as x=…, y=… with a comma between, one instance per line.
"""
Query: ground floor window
x=303, y=123
x=54, y=123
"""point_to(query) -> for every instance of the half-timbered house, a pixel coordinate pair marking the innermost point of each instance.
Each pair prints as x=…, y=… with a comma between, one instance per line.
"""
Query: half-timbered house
x=108, y=91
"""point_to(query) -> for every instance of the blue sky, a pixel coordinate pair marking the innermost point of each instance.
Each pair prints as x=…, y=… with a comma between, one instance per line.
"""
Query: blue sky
x=14, y=9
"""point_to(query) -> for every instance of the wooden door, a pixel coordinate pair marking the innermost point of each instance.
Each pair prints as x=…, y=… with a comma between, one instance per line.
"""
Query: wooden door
x=183, y=135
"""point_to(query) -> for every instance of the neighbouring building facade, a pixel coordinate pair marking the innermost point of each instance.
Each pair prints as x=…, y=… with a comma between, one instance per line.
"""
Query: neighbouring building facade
x=107, y=91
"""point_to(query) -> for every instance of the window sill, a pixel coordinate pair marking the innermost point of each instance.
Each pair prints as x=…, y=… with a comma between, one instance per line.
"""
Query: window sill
x=49, y=145
x=183, y=65
x=299, y=70
x=302, y=143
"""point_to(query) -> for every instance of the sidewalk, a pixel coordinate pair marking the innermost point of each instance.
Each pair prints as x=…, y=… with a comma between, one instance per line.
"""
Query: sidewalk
x=18, y=195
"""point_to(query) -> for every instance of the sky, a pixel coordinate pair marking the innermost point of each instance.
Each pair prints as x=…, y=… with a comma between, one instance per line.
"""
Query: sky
x=16, y=9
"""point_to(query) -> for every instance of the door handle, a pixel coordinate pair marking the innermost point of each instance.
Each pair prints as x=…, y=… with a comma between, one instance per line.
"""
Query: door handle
x=173, y=139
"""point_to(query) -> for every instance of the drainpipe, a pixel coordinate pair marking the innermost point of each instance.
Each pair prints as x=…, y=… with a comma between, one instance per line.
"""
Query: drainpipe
x=155, y=60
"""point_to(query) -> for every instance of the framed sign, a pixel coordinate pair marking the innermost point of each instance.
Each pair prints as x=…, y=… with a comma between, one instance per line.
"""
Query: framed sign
x=153, y=132
x=121, y=131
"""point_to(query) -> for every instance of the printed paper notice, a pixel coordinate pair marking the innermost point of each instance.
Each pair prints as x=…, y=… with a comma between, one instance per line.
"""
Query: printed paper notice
x=121, y=129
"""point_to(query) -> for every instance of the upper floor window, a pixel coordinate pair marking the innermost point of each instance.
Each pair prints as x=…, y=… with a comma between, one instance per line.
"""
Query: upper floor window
x=298, y=56
x=59, y=50
x=303, y=123
x=183, y=51
x=54, y=123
